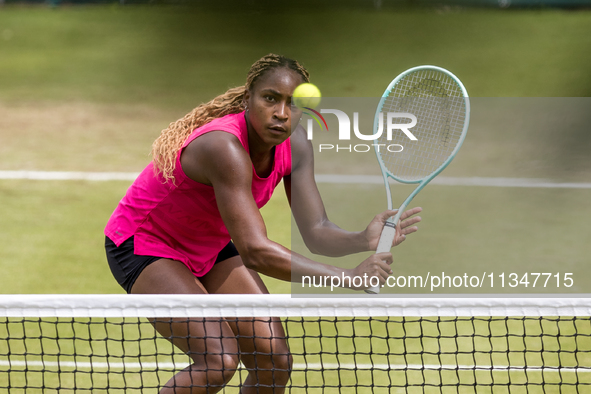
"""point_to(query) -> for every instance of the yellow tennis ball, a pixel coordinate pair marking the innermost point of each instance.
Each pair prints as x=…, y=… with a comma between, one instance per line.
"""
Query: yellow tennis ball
x=306, y=95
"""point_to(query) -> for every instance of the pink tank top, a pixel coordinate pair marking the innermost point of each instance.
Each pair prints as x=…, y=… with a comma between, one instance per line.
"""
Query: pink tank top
x=183, y=222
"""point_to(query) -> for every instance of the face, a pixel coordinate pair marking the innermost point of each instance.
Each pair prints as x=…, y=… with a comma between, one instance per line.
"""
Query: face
x=270, y=116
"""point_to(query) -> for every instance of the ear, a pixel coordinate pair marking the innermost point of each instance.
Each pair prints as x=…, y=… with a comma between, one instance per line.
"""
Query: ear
x=246, y=98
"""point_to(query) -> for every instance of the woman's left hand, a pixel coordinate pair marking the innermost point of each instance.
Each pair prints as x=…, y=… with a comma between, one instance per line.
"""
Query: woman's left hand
x=405, y=226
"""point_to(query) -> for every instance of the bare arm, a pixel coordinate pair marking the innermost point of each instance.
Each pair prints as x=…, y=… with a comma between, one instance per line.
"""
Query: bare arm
x=319, y=233
x=218, y=159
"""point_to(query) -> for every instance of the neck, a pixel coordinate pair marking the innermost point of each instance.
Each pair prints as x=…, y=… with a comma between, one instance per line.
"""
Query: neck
x=261, y=154
x=256, y=146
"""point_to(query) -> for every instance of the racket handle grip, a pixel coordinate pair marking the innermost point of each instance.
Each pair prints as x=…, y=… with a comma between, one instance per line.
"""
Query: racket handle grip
x=386, y=238
x=384, y=245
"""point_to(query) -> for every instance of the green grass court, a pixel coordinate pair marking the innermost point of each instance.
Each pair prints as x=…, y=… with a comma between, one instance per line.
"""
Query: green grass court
x=88, y=88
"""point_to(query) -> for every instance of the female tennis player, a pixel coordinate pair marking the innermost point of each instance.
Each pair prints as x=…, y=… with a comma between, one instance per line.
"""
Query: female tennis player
x=190, y=223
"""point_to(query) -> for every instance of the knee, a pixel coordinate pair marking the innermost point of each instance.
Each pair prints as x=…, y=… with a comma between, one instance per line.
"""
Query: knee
x=223, y=362
x=282, y=363
x=216, y=370
x=276, y=367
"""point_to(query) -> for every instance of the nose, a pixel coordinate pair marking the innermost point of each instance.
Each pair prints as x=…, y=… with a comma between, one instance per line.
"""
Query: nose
x=282, y=111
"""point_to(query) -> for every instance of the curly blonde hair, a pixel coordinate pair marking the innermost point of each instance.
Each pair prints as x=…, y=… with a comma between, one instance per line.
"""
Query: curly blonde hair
x=166, y=147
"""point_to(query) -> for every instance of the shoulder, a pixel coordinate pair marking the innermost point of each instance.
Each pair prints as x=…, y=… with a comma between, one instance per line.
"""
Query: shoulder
x=216, y=155
x=233, y=124
x=214, y=141
x=301, y=147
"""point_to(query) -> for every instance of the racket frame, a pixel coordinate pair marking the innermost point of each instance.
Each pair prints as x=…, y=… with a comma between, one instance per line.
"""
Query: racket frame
x=389, y=231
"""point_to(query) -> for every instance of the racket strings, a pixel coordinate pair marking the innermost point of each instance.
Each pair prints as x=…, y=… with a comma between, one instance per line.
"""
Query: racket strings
x=440, y=108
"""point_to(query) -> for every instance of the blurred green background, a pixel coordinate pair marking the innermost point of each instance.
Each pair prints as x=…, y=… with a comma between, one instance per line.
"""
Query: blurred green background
x=89, y=87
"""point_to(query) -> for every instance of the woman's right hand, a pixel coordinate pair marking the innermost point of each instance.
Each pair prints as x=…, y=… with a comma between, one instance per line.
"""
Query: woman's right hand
x=375, y=266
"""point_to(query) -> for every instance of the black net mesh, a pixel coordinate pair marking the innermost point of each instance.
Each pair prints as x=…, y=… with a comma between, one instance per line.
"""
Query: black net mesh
x=297, y=354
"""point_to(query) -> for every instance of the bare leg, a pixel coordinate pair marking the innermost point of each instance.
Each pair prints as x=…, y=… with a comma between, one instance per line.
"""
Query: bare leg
x=263, y=347
x=210, y=343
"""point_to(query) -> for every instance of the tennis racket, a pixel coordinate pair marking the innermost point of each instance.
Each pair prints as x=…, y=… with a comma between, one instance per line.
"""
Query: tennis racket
x=419, y=151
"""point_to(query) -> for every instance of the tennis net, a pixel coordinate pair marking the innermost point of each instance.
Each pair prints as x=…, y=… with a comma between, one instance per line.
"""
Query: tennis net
x=107, y=344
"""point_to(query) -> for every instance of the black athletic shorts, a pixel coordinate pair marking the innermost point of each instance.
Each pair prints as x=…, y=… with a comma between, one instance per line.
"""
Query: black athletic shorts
x=127, y=266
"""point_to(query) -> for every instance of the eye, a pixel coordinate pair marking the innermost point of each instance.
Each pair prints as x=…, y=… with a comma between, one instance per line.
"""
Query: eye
x=269, y=98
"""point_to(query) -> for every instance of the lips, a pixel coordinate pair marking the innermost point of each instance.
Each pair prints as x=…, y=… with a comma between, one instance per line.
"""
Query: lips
x=278, y=128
